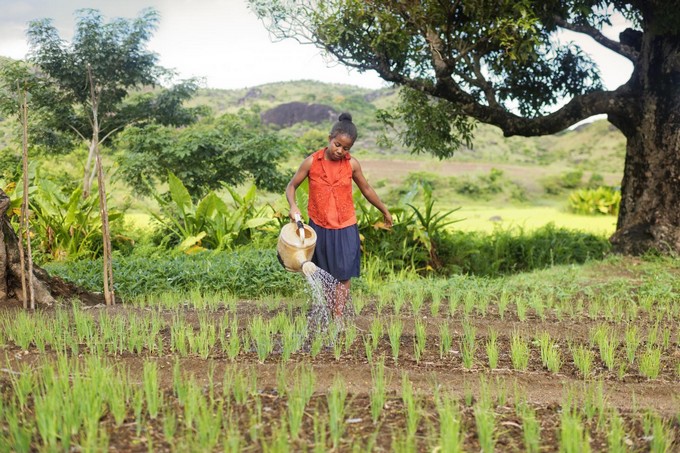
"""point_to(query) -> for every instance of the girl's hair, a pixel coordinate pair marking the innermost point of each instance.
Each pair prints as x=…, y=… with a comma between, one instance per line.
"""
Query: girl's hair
x=344, y=126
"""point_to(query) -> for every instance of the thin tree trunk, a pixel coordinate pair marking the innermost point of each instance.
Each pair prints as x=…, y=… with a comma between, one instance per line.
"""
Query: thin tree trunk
x=27, y=289
x=107, y=270
x=88, y=171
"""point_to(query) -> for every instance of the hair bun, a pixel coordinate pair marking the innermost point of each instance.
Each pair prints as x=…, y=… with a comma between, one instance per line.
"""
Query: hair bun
x=345, y=117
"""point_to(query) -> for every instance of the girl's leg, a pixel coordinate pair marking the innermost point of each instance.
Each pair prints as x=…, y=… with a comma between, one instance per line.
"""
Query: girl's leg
x=341, y=298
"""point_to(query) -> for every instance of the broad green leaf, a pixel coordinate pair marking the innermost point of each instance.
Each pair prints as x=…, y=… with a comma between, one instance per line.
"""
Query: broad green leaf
x=179, y=194
x=191, y=241
x=258, y=221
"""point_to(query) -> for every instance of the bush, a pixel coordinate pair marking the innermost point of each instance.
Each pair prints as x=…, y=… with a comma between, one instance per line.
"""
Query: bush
x=601, y=201
x=487, y=186
x=556, y=184
x=510, y=251
x=246, y=272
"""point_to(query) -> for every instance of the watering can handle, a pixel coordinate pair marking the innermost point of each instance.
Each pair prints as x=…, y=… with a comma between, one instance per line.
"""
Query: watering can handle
x=301, y=227
x=298, y=221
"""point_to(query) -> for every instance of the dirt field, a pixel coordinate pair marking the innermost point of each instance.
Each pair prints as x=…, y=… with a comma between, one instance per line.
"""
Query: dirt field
x=260, y=419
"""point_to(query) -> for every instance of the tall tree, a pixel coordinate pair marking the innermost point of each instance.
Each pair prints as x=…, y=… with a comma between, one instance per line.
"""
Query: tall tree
x=93, y=76
x=499, y=62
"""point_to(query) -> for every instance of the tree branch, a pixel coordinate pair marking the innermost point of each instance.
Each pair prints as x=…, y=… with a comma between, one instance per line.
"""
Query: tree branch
x=579, y=108
x=597, y=35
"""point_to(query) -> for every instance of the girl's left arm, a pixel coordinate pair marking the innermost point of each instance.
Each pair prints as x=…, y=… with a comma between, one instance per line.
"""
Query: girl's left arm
x=368, y=192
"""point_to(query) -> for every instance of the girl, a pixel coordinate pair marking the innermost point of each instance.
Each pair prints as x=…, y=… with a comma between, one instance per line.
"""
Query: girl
x=331, y=171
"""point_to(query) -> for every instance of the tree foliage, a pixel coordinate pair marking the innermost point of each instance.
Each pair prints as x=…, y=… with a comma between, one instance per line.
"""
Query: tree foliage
x=226, y=150
x=496, y=61
x=115, y=53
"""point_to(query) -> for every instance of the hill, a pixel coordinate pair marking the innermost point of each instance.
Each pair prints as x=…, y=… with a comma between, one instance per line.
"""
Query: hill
x=597, y=146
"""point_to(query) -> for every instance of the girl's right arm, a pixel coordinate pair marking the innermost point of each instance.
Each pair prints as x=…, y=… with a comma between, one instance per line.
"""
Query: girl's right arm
x=297, y=179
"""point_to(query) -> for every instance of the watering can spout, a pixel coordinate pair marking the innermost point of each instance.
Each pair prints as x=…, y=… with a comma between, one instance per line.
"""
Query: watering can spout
x=296, y=247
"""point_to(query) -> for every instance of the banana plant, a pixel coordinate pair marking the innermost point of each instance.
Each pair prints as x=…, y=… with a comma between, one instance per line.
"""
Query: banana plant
x=210, y=223
x=66, y=225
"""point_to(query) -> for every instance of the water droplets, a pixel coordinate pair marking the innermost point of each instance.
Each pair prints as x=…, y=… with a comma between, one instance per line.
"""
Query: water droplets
x=330, y=298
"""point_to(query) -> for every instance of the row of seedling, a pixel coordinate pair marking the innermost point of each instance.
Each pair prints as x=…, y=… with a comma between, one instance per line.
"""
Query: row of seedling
x=465, y=296
x=83, y=404
x=72, y=331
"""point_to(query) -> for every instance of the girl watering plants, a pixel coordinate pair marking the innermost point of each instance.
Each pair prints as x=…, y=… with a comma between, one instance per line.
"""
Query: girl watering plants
x=331, y=171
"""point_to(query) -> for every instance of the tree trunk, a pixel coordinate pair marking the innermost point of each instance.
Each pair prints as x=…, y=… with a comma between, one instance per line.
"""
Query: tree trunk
x=649, y=218
x=10, y=262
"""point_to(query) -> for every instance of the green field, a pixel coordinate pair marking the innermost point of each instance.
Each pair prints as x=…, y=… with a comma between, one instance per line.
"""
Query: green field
x=485, y=218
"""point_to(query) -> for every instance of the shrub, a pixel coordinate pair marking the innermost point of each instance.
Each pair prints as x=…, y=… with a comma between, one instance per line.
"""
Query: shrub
x=246, y=272
x=510, y=251
x=556, y=184
x=601, y=201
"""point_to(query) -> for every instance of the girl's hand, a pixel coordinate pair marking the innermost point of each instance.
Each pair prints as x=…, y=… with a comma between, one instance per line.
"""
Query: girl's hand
x=293, y=212
x=388, y=219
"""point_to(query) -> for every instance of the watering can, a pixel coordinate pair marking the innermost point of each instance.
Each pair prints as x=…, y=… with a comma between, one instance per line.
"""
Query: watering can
x=296, y=246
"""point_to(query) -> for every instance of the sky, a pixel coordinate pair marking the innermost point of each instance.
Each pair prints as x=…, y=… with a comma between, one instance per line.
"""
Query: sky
x=225, y=44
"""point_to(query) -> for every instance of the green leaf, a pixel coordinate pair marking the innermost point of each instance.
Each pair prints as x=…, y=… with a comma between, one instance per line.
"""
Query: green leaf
x=191, y=241
x=179, y=194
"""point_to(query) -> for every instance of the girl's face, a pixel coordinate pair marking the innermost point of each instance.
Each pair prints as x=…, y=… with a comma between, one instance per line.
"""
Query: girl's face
x=339, y=146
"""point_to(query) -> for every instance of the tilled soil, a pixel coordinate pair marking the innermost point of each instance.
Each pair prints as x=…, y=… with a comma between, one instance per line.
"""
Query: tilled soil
x=629, y=392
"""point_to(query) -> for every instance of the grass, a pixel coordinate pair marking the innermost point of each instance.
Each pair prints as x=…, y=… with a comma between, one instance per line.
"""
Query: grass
x=478, y=218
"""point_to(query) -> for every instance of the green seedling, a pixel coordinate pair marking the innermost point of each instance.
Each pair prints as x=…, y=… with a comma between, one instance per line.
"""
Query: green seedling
x=376, y=330
x=419, y=340
x=450, y=424
x=531, y=430
x=154, y=396
x=394, y=332
x=632, y=338
x=468, y=345
x=377, y=393
x=492, y=349
x=445, y=340
x=519, y=352
x=650, y=362
x=502, y=303
x=616, y=434
x=436, y=299
x=261, y=334
x=485, y=419
x=412, y=406
x=550, y=353
x=336, y=410
x=583, y=359
x=350, y=337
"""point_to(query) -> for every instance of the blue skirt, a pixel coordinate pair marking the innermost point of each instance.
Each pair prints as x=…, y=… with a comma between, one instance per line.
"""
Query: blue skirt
x=338, y=252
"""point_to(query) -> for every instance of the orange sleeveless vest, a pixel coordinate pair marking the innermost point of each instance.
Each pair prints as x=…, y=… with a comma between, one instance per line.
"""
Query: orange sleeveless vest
x=330, y=192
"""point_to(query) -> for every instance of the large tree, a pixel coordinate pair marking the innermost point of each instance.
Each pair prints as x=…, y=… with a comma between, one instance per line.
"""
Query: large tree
x=92, y=77
x=499, y=62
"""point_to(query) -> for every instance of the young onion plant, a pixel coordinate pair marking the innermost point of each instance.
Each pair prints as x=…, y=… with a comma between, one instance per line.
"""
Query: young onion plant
x=485, y=419
x=445, y=340
x=377, y=393
x=394, y=332
x=519, y=352
x=492, y=349
x=450, y=424
x=336, y=410
x=419, y=340
x=550, y=353
x=468, y=345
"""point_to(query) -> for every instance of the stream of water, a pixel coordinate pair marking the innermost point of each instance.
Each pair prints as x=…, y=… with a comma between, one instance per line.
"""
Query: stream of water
x=330, y=299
